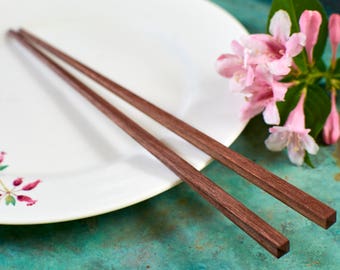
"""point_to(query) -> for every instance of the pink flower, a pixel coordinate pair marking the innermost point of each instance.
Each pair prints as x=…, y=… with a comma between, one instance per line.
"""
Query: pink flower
x=31, y=185
x=2, y=156
x=275, y=51
x=283, y=46
x=331, y=130
x=234, y=66
x=262, y=97
x=310, y=21
x=259, y=63
x=293, y=135
x=24, y=198
x=334, y=34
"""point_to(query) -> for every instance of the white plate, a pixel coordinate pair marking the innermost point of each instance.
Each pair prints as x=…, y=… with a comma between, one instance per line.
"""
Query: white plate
x=163, y=50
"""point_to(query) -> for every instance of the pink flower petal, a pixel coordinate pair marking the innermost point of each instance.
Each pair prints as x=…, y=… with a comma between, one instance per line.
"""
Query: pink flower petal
x=296, y=153
x=31, y=185
x=17, y=182
x=2, y=156
x=228, y=64
x=257, y=102
x=310, y=21
x=271, y=114
x=260, y=48
x=250, y=76
x=295, y=44
x=280, y=66
x=309, y=144
x=236, y=85
x=280, y=25
x=28, y=200
x=237, y=48
x=280, y=90
x=278, y=140
x=250, y=110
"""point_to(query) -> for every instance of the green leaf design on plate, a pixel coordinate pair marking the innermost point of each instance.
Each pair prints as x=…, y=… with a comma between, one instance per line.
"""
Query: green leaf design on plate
x=10, y=200
x=2, y=167
x=294, y=9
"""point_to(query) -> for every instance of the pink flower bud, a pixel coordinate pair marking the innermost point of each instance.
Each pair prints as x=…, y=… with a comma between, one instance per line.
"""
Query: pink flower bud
x=334, y=34
x=29, y=200
x=310, y=21
x=331, y=130
x=17, y=182
x=31, y=185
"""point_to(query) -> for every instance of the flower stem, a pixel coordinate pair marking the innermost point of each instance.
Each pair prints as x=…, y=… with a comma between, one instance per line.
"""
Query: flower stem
x=3, y=186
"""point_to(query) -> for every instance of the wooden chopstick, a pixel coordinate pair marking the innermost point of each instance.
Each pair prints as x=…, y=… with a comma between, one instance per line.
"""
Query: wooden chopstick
x=297, y=199
x=262, y=232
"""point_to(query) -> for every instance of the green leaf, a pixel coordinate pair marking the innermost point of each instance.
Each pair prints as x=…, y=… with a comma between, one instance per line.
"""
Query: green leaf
x=294, y=9
x=10, y=200
x=336, y=70
x=308, y=161
x=291, y=99
x=317, y=108
x=2, y=167
x=320, y=65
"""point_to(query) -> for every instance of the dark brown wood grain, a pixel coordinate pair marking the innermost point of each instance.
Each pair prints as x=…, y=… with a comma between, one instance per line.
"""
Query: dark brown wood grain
x=297, y=199
x=258, y=229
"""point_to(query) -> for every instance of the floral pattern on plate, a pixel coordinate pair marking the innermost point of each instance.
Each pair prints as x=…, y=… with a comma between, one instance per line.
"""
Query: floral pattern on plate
x=15, y=192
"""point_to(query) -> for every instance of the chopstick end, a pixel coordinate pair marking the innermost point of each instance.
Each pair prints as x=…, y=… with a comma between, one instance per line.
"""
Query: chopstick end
x=282, y=250
x=330, y=220
x=11, y=32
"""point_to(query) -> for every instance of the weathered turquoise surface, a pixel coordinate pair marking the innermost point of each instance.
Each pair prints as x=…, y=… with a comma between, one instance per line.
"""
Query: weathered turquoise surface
x=179, y=230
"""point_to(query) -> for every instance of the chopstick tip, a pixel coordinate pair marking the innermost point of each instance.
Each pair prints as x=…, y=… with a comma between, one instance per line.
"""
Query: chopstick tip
x=283, y=249
x=330, y=220
x=22, y=30
x=11, y=32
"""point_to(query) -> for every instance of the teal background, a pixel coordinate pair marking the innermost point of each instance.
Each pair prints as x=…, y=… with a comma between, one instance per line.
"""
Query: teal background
x=178, y=229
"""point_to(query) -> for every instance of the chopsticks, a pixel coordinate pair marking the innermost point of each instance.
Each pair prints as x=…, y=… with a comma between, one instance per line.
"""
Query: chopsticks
x=263, y=233
x=258, y=229
x=295, y=198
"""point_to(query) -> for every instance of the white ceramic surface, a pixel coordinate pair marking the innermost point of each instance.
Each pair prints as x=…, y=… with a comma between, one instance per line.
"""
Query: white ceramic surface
x=163, y=50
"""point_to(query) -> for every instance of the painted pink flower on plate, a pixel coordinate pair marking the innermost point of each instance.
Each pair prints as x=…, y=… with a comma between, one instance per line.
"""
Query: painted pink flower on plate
x=2, y=156
x=16, y=192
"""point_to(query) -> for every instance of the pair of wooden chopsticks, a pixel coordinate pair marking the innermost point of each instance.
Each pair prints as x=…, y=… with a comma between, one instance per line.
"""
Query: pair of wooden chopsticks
x=263, y=233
